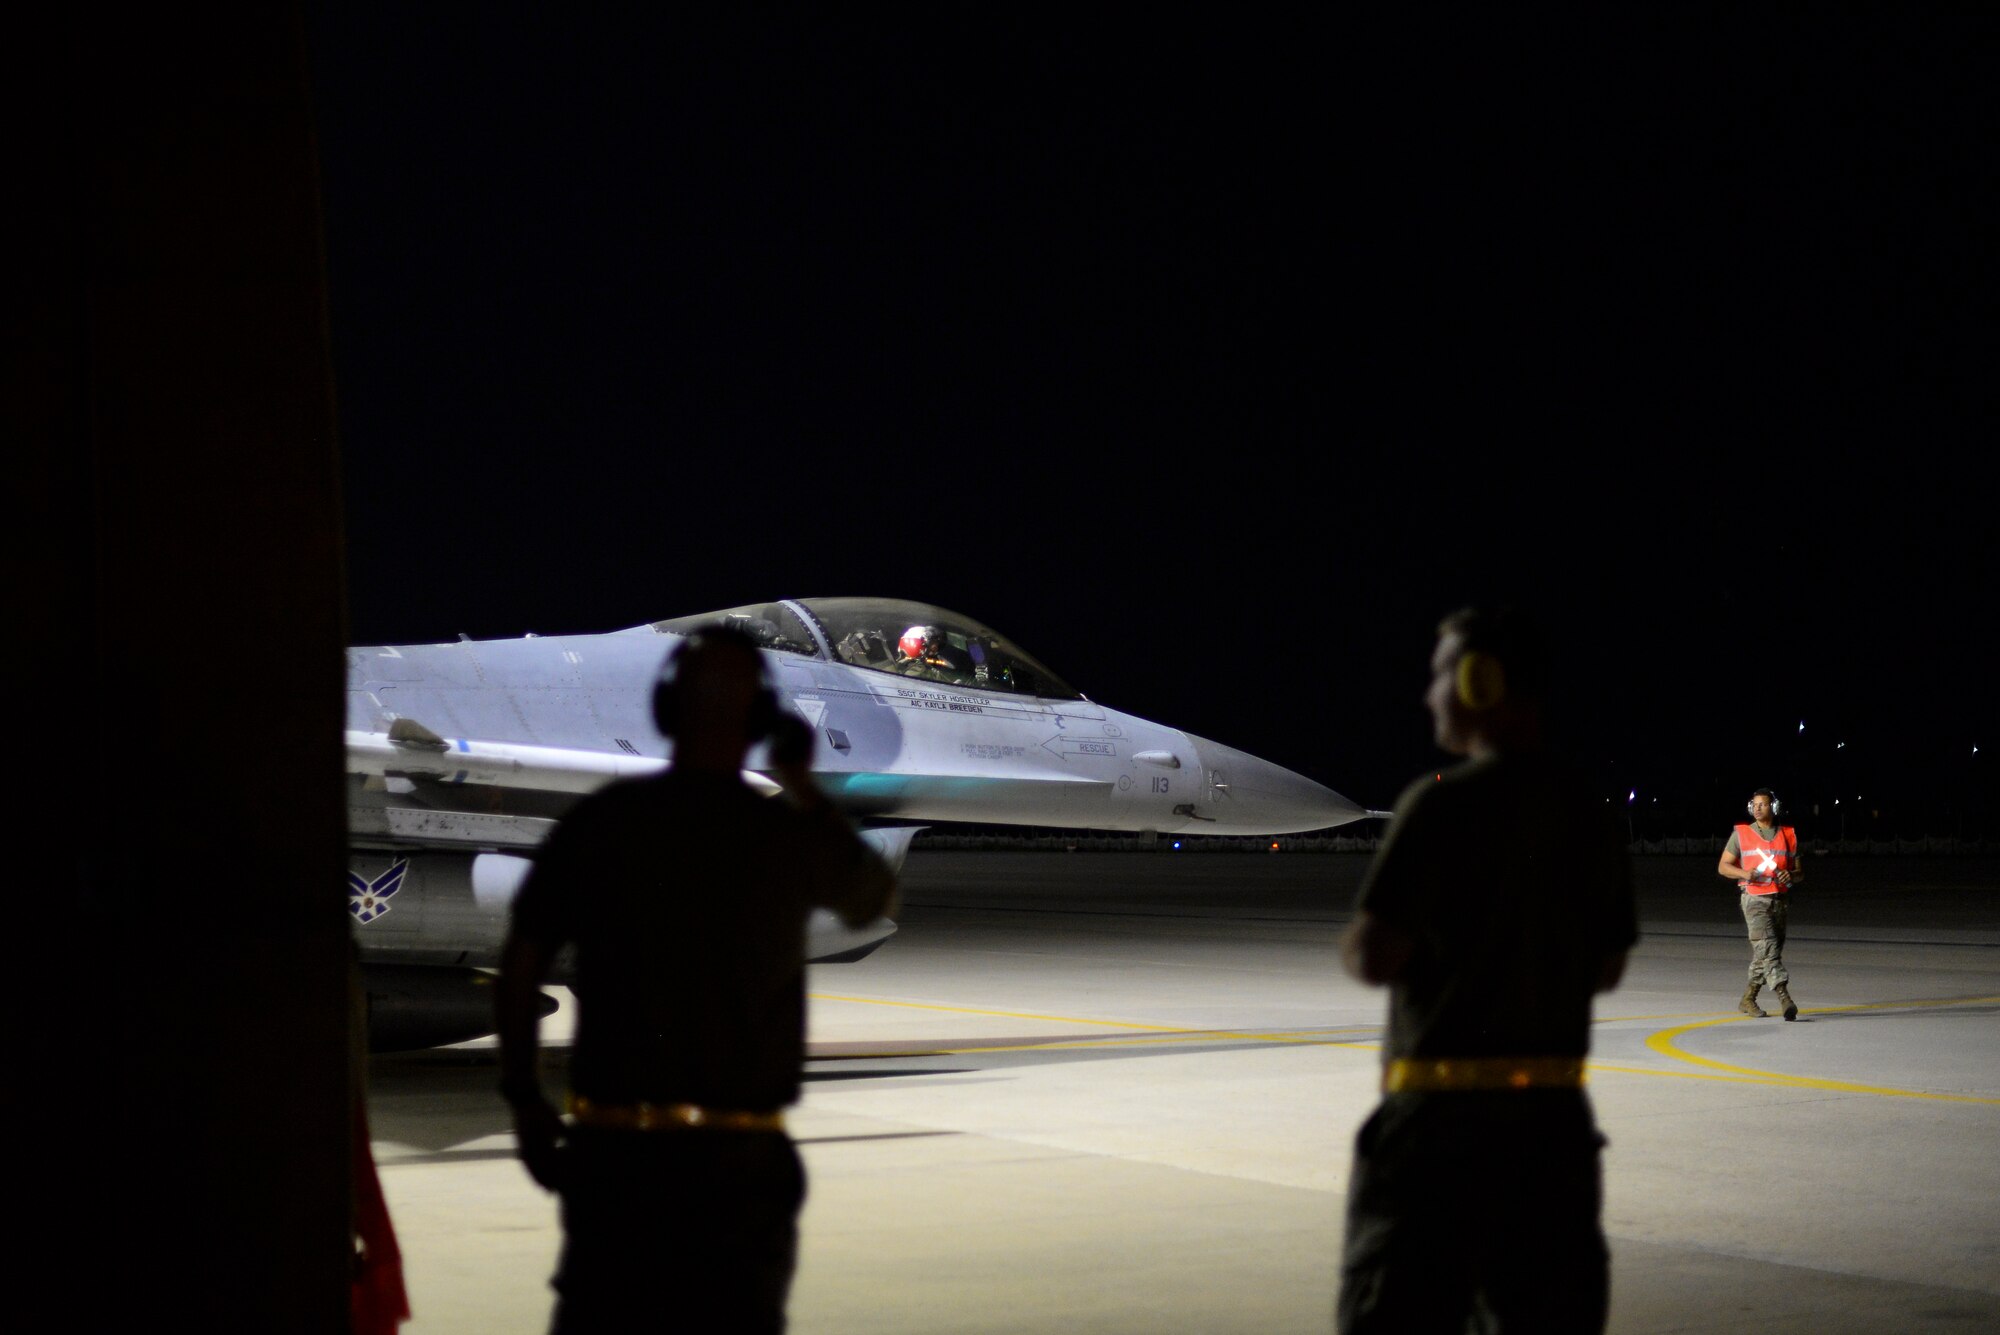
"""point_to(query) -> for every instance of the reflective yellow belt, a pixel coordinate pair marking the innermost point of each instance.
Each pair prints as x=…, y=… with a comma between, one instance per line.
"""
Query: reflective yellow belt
x=670, y=1117
x=1421, y=1074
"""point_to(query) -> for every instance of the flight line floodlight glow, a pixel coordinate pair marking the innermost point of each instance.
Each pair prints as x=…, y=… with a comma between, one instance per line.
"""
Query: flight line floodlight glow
x=1802, y=725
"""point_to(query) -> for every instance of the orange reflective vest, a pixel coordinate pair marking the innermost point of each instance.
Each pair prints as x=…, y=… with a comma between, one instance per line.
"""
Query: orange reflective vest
x=1765, y=859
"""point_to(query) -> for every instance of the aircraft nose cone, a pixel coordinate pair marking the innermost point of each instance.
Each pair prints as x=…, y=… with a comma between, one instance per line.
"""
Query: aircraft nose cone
x=1242, y=794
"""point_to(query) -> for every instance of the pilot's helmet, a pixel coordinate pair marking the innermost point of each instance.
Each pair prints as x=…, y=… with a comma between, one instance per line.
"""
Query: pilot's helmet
x=916, y=640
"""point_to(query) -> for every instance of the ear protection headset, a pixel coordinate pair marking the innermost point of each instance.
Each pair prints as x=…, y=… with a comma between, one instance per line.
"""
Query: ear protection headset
x=1777, y=807
x=667, y=691
x=1482, y=680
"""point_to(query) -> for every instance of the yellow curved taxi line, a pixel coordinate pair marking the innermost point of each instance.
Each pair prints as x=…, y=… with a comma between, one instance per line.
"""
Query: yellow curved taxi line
x=1154, y=1033
x=1663, y=1043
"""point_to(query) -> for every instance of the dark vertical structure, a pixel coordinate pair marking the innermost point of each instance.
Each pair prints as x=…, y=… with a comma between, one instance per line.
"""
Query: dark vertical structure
x=179, y=1076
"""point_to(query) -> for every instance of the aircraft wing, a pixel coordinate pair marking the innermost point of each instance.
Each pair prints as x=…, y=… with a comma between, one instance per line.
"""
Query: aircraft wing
x=409, y=752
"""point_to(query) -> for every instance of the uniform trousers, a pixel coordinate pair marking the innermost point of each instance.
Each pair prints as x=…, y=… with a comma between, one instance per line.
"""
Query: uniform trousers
x=1479, y=1210
x=689, y=1229
x=1765, y=916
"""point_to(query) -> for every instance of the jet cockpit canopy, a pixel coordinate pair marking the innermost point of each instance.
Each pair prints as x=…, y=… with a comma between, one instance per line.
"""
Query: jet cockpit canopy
x=771, y=625
x=919, y=640
x=892, y=635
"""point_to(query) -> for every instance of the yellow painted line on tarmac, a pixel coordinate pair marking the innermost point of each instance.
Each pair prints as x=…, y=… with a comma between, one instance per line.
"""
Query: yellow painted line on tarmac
x=1593, y=1067
x=1670, y=1015
x=1166, y=1033
x=1174, y=1030
x=1902, y=1005
x=1663, y=1043
x=1010, y=1015
x=1179, y=1036
x=1052, y=1045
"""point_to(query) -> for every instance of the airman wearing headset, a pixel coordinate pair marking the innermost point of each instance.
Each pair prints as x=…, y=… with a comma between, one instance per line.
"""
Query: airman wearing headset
x=685, y=896
x=1764, y=856
x=1499, y=903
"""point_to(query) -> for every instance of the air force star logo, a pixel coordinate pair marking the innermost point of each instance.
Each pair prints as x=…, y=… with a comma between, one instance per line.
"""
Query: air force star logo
x=368, y=900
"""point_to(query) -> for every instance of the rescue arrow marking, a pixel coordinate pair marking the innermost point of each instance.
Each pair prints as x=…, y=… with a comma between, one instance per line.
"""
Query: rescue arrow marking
x=1062, y=747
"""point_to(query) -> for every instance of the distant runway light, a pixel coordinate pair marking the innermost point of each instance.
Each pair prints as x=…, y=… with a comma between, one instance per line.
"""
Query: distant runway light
x=1632, y=796
x=1838, y=745
x=1802, y=725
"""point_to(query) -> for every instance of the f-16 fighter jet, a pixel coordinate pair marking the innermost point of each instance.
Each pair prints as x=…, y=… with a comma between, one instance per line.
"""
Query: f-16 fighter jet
x=463, y=756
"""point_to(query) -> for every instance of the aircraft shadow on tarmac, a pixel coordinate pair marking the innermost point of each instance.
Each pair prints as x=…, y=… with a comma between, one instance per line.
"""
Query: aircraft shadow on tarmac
x=497, y=1153
x=992, y=1054
x=813, y=1077
x=1915, y=1010
x=435, y=1100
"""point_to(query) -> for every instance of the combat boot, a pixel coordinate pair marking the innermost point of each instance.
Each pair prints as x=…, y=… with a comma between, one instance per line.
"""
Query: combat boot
x=1791, y=1007
x=1749, y=1004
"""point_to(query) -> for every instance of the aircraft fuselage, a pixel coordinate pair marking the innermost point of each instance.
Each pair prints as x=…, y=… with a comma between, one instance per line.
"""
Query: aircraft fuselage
x=890, y=747
x=462, y=757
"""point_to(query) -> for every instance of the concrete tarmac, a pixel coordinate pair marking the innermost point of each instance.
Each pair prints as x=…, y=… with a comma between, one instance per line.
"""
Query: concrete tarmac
x=1117, y=1091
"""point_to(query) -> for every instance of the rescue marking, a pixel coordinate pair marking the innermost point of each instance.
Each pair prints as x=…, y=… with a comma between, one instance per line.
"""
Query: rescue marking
x=990, y=750
x=1062, y=747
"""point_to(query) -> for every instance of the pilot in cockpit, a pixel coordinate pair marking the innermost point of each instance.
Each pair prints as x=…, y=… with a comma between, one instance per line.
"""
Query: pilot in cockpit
x=925, y=652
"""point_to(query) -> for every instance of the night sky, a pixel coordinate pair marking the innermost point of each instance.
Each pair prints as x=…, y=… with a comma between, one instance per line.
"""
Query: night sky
x=1212, y=361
